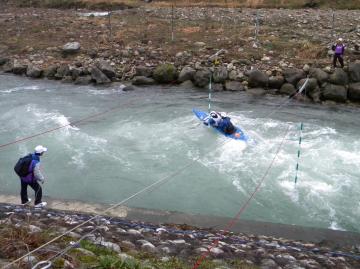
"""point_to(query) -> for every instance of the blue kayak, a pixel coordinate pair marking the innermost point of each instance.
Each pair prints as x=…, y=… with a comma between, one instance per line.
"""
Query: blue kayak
x=238, y=135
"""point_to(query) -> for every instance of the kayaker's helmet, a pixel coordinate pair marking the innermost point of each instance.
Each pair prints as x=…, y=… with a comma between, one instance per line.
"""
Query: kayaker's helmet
x=213, y=114
x=223, y=114
x=340, y=39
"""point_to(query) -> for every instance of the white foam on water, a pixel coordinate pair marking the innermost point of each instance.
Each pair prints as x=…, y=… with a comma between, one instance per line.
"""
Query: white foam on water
x=333, y=220
x=335, y=226
x=239, y=186
x=77, y=159
x=290, y=189
x=105, y=91
x=317, y=187
x=347, y=157
x=43, y=117
x=271, y=124
x=21, y=88
x=315, y=131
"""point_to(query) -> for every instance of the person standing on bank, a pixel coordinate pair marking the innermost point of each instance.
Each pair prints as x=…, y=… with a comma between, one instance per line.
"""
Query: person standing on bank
x=339, y=50
x=33, y=177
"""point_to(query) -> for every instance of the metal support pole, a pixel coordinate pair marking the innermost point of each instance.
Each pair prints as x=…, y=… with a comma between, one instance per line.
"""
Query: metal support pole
x=110, y=26
x=333, y=24
x=172, y=22
x=257, y=27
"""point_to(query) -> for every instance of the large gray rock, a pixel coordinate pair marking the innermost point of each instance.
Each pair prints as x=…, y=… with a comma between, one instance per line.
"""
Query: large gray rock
x=315, y=94
x=217, y=87
x=258, y=79
x=148, y=247
x=67, y=79
x=339, y=77
x=98, y=76
x=320, y=75
x=33, y=72
x=30, y=259
x=165, y=73
x=128, y=88
x=310, y=86
x=85, y=80
x=188, y=84
x=71, y=48
x=293, y=75
x=187, y=73
x=8, y=67
x=216, y=251
x=333, y=92
x=143, y=71
x=287, y=88
x=62, y=71
x=4, y=61
x=220, y=74
x=106, y=68
x=268, y=264
x=113, y=246
x=234, y=86
x=50, y=71
x=354, y=91
x=76, y=72
x=202, y=78
x=256, y=91
x=19, y=69
x=141, y=80
x=275, y=82
x=284, y=259
x=354, y=72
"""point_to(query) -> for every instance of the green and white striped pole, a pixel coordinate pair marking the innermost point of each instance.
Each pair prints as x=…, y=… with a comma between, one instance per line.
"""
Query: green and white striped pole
x=298, y=154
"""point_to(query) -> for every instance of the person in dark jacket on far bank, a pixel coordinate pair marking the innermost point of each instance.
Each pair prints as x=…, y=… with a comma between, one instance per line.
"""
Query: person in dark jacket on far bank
x=32, y=179
x=339, y=50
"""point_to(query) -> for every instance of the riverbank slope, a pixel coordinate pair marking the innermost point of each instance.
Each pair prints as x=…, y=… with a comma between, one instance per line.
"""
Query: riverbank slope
x=162, y=238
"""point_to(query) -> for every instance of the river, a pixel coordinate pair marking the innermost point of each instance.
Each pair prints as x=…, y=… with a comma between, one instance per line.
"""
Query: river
x=150, y=134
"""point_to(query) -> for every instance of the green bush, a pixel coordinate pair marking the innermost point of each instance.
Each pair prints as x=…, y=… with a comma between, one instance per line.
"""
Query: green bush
x=165, y=73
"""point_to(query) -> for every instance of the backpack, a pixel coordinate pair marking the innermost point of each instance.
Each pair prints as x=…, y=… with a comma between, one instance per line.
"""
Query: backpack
x=22, y=166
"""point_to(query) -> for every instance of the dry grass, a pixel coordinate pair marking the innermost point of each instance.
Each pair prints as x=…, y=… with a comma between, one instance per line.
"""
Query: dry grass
x=115, y=4
x=341, y=4
x=67, y=4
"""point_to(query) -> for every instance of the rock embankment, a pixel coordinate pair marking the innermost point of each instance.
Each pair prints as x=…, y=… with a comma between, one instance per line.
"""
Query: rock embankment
x=339, y=85
x=129, y=240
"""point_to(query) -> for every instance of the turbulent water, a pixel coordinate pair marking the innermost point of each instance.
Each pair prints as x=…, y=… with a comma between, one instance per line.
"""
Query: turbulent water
x=150, y=134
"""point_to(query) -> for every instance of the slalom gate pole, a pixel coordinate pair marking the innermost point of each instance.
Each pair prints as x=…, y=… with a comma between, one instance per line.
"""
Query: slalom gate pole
x=210, y=89
x=298, y=154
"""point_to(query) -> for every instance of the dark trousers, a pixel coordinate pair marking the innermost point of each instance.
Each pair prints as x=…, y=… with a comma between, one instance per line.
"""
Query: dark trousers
x=37, y=189
x=340, y=58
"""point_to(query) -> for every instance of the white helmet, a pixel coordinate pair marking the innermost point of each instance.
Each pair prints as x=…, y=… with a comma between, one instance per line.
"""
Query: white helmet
x=40, y=149
x=213, y=114
x=223, y=114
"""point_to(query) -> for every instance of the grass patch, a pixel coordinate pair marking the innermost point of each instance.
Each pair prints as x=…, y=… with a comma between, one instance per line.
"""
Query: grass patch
x=97, y=250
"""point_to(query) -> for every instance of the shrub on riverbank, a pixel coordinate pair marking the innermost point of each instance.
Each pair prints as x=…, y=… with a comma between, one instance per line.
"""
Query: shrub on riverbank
x=165, y=73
